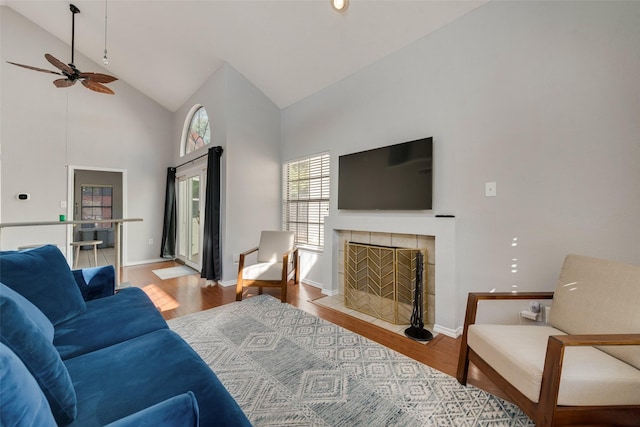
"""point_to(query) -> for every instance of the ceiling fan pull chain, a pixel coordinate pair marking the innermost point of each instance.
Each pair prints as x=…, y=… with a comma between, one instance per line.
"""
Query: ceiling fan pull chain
x=105, y=60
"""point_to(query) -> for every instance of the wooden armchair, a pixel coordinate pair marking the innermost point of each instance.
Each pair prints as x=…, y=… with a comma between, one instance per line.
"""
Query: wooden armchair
x=277, y=263
x=553, y=372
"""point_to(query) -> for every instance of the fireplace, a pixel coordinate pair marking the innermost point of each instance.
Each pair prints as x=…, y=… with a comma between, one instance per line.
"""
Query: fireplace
x=380, y=281
x=436, y=235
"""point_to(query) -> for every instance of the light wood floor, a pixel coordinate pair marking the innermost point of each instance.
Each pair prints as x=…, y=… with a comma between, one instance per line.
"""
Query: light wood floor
x=189, y=294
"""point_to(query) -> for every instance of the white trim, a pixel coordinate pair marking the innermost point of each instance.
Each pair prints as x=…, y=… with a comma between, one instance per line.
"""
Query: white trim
x=314, y=284
x=185, y=129
x=444, y=230
x=329, y=293
x=227, y=283
x=146, y=261
x=453, y=333
x=71, y=170
x=297, y=159
x=319, y=161
x=199, y=168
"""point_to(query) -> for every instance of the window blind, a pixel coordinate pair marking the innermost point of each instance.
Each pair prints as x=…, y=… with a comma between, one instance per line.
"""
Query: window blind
x=306, y=185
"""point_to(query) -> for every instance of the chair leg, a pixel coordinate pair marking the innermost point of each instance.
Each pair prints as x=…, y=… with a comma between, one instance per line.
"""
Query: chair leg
x=463, y=365
x=463, y=357
x=296, y=262
x=239, y=288
x=283, y=294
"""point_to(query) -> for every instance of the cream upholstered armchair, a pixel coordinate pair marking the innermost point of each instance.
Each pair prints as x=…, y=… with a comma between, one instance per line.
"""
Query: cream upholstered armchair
x=277, y=263
x=583, y=367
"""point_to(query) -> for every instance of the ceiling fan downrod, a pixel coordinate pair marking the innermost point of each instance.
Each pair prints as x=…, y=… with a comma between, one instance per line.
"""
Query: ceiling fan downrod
x=74, y=10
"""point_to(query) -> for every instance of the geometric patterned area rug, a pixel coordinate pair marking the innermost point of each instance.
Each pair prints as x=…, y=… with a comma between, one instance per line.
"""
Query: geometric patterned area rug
x=286, y=367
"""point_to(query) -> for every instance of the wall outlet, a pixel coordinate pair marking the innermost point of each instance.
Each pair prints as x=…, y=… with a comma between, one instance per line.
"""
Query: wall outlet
x=150, y=242
x=490, y=189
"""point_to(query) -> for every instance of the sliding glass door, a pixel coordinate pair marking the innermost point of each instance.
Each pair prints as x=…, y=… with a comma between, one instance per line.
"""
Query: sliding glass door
x=190, y=191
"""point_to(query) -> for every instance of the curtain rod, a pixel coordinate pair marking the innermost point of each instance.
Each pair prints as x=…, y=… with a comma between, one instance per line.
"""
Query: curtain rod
x=199, y=157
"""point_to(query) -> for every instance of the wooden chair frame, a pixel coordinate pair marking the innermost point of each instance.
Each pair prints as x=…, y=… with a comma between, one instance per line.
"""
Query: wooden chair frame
x=547, y=412
x=282, y=283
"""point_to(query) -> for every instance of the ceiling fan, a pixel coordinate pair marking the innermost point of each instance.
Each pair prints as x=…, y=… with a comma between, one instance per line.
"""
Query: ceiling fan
x=93, y=81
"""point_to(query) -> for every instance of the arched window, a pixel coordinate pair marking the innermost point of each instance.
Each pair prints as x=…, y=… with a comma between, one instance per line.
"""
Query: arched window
x=197, y=132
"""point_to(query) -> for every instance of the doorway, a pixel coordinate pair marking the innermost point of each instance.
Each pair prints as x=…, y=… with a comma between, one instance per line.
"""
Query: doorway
x=190, y=197
x=94, y=193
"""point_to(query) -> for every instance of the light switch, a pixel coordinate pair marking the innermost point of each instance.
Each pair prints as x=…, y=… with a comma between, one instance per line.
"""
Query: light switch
x=63, y=204
x=490, y=189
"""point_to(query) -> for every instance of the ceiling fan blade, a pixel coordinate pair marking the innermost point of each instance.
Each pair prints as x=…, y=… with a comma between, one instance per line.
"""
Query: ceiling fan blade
x=97, y=87
x=58, y=64
x=97, y=77
x=63, y=82
x=35, y=68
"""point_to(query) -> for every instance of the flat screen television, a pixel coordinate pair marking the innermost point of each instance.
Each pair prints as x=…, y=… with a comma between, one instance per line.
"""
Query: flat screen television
x=396, y=177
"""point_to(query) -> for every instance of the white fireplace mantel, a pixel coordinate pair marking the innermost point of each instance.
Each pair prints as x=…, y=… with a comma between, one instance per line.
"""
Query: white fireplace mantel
x=428, y=225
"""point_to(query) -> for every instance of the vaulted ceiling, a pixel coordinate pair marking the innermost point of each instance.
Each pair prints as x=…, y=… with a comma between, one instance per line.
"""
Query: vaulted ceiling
x=289, y=49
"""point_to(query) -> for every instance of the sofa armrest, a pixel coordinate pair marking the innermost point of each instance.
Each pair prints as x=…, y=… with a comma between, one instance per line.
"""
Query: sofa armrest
x=181, y=410
x=554, y=358
x=96, y=282
x=470, y=318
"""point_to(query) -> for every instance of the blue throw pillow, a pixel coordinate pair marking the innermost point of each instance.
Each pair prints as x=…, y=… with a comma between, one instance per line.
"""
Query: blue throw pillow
x=42, y=321
x=22, y=403
x=43, y=276
x=23, y=336
x=96, y=282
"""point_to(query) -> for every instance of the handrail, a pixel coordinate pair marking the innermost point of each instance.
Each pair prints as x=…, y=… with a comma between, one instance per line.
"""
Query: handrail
x=87, y=221
x=118, y=222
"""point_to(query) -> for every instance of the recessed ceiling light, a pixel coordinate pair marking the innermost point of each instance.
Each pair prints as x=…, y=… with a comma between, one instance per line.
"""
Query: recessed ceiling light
x=339, y=5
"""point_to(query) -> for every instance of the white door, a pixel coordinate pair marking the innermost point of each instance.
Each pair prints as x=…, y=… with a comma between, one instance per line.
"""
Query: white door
x=190, y=191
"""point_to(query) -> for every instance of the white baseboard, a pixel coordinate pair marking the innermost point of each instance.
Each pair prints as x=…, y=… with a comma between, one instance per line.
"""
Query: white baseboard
x=326, y=292
x=312, y=283
x=146, y=261
x=227, y=283
x=453, y=333
x=330, y=293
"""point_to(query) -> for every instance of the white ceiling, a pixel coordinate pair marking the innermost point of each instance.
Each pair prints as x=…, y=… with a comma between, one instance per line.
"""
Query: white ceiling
x=289, y=49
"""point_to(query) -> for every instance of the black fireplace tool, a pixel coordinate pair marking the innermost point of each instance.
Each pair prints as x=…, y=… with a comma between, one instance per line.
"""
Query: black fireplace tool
x=416, y=331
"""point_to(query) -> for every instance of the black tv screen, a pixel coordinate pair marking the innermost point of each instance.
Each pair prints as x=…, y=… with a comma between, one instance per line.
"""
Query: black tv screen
x=396, y=177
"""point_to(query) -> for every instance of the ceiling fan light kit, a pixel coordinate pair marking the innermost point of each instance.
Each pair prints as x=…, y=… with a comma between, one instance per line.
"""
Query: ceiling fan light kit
x=93, y=81
x=339, y=5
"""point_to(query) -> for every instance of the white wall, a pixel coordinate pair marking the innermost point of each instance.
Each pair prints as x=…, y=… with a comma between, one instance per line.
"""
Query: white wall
x=253, y=174
x=44, y=129
x=246, y=124
x=540, y=97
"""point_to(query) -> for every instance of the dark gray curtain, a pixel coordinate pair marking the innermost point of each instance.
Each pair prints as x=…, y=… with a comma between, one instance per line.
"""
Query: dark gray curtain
x=168, y=248
x=211, y=259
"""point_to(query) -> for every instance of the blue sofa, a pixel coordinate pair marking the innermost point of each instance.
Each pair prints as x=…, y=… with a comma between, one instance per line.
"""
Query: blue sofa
x=75, y=353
